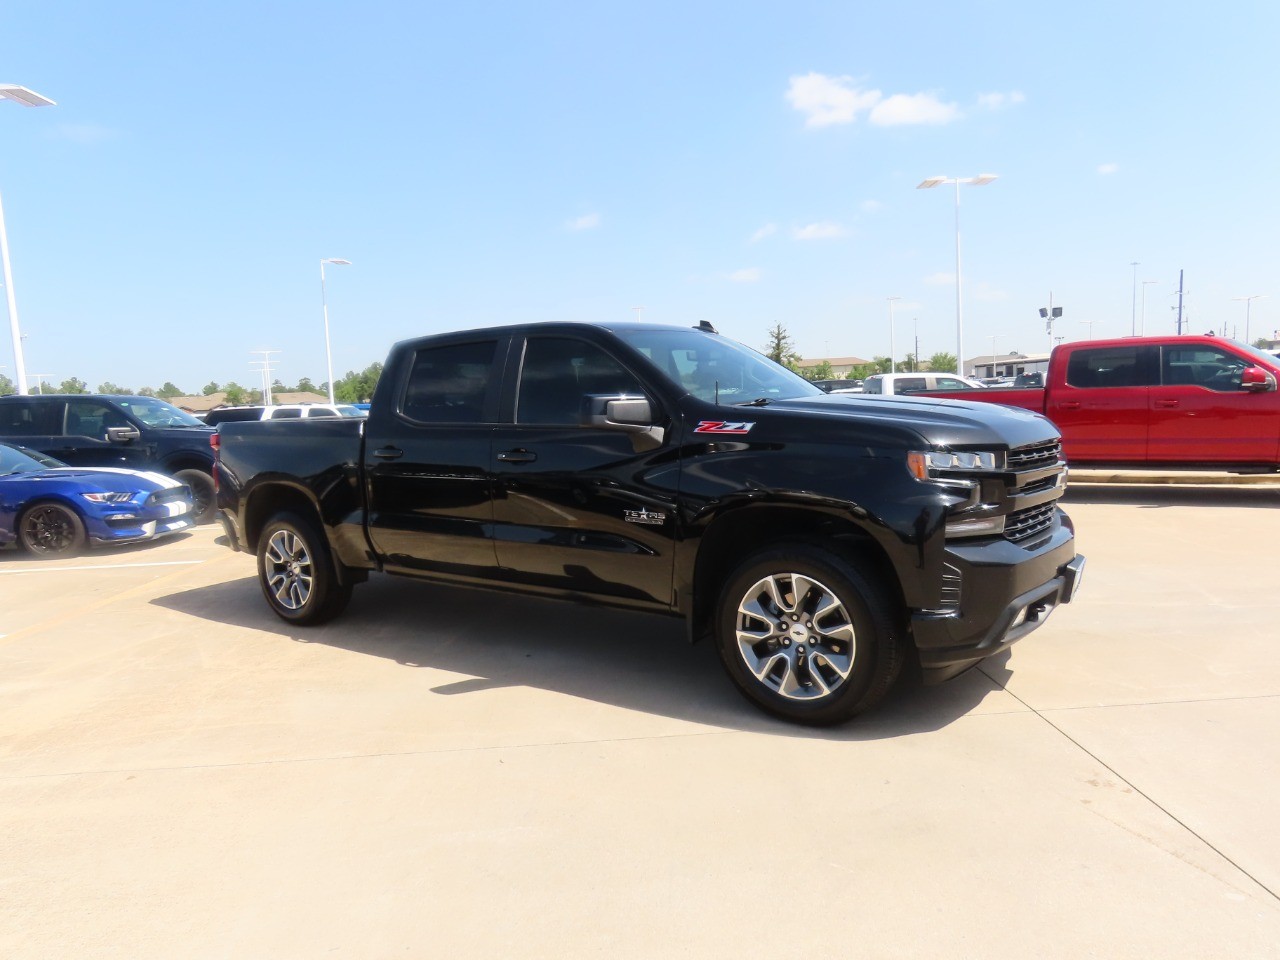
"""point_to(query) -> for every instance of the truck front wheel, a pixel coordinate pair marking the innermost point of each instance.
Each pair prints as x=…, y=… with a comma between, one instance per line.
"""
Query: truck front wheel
x=808, y=635
x=297, y=571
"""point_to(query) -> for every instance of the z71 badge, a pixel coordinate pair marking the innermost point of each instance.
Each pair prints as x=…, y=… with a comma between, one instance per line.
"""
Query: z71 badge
x=723, y=426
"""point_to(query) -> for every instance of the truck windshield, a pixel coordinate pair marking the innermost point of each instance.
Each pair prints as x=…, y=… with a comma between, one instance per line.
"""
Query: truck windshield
x=157, y=413
x=714, y=368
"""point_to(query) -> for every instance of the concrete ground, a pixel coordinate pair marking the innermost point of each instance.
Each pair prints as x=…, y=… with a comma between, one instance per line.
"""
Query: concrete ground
x=445, y=773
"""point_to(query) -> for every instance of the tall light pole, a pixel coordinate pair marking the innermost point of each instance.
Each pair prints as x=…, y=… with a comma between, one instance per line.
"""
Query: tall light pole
x=994, y=336
x=1133, y=319
x=893, y=352
x=981, y=180
x=264, y=369
x=324, y=305
x=1048, y=315
x=1248, y=304
x=1142, y=330
x=1090, y=324
x=28, y=98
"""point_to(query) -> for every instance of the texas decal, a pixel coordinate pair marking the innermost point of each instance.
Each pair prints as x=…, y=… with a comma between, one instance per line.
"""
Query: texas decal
x=723, y=426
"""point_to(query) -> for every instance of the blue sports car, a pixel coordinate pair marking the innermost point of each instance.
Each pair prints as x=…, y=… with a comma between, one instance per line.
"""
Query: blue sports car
x=53, y=510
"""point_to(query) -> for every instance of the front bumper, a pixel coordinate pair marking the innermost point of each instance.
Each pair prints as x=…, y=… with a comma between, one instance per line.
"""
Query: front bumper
x=1004, y=592
x=132, y=522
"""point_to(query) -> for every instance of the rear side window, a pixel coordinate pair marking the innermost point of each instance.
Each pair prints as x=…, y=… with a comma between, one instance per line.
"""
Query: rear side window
x=909, y=385
x=286, y=414
x=1107, y=367
x=31, y=418
x=449, y=384
x=559, y=373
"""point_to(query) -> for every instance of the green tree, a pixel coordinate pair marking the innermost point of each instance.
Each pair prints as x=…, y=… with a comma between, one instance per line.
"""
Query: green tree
x=7, y=386
x=943, y=363
x=909, y=364
x=168, y=391
x=236, y=394
x=146, y=392
x=781, y=348
x=210, y=387
x=111, y=388
x=73, y=385
x=306, y=386
x=355, y=387
x=822, y=371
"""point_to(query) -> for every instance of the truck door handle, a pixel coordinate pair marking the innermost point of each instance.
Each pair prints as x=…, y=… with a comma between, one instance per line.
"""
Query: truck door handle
x=388, y=453
x=1070, y=404
x=517, y=456
x=1166, y=404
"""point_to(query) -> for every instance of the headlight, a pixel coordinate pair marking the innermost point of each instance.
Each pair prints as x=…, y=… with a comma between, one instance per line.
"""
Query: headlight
x=927, y=464
x=108, y=497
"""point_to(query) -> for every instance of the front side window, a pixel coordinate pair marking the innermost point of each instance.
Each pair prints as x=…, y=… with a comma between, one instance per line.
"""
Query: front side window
x=559, y=373
x=1201, y=366
x=951, y=383
x=449, y=384
x=1107, y=367
x=909, y=385
x=31, y=418
x=286, y=413
x=873, y=384
x=92, y=418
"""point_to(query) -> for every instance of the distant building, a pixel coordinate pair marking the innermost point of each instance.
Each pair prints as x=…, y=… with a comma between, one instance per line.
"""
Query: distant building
x=1006, y=365
x=840, y=366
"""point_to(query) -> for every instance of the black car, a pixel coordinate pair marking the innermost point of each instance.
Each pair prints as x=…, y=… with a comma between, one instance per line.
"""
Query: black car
x=137, y=433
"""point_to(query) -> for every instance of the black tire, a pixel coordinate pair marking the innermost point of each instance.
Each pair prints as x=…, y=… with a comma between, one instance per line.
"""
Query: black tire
x=201, y=484
x=808, y=635
x=297, y=573
x=51, y=530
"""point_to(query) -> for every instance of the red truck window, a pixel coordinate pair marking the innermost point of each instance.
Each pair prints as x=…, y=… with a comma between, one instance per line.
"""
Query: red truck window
x=1200, y=366
x=1108, y=367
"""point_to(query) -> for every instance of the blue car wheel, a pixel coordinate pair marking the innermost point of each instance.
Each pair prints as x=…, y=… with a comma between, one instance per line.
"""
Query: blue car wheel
x=50, y=530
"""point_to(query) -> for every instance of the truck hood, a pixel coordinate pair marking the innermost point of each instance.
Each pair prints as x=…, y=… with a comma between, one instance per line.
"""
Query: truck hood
x=939, y=422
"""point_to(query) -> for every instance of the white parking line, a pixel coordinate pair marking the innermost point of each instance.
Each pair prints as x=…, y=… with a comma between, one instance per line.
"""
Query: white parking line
x=103, y=566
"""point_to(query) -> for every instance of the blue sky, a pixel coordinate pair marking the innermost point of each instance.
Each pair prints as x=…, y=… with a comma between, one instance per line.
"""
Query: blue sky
x=742, y=163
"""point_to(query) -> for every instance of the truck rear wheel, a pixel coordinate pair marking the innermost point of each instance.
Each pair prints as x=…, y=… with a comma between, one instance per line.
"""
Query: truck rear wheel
x=297, y=572
x=807, y=635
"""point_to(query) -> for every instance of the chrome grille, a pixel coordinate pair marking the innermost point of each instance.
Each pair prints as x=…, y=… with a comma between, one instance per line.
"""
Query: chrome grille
x=1036, y=455
x=1025, y=524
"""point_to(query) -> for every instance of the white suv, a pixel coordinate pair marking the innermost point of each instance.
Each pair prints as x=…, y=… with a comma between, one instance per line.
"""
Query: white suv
x=301, y=411
x=904, y=383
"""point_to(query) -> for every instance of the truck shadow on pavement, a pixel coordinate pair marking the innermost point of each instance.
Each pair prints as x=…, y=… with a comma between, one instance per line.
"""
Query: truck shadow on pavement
x=635, y=661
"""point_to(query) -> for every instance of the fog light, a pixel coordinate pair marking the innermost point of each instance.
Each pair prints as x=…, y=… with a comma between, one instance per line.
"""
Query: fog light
x=123, y=516
x=984, y=527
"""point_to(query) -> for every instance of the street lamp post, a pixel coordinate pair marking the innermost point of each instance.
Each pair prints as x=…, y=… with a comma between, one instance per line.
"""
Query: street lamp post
x=981, y=180
x=1248, y=304
x=993, y=355
x=1090, y=324
x=324, y=305
x=1048, y=315
x=893, y=351
x=28, y=98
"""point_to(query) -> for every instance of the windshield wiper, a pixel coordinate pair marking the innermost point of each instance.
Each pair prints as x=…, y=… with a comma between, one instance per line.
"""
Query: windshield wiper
x=757, y=402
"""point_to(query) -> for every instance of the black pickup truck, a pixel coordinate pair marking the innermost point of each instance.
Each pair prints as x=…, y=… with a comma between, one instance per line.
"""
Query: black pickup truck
x=821, y=540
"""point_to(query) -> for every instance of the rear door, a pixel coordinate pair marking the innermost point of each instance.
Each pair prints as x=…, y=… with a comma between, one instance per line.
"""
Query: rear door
x=427, y=454
x=34, y=422
x=1201, y=412
x=1102, y=404
x=577, y=507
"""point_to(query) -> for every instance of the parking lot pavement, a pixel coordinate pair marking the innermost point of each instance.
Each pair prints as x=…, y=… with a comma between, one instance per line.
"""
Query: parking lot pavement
x=453, y=773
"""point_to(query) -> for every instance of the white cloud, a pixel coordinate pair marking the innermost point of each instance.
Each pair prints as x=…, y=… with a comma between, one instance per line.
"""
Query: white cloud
x=829, y=100
x=85, y=133
x=986, y=293
x=587, y=222
x=941, y=280
x=903, y=108
x=822, y=230
x=998, y=101
x=871, y=206
x=768, y=230
x=746, y=275
x=1106, y=169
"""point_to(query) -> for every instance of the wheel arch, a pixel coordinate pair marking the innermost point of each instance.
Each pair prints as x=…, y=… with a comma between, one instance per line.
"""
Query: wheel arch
x=747, y=529
x=267, y=500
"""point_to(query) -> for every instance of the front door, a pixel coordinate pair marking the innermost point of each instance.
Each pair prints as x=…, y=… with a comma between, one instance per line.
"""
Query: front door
x=85, y=442
x=582, y=508
x=1202, y=413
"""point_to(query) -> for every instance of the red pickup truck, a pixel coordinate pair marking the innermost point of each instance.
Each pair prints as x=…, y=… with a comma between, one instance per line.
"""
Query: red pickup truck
x=1190, y=402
